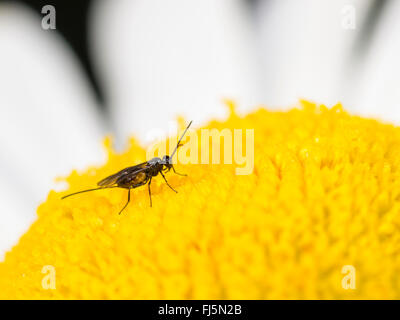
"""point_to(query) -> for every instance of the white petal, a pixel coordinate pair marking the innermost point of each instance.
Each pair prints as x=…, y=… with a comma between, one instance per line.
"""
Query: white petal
x=163, y=58
x=15, y=204
x=48, y=120
x=377, y=91
x=306, y=49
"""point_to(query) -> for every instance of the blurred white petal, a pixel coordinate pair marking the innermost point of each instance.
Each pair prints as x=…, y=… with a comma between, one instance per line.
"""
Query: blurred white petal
x=306, y=49
x=17, y=210
x=48, y=120
x=378, y=93
x=163, y=58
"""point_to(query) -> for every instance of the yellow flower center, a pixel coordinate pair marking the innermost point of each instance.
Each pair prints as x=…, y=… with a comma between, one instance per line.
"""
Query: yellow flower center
x=322, y=204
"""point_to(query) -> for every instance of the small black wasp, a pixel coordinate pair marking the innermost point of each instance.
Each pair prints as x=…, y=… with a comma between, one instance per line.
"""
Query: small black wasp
x=136, y=176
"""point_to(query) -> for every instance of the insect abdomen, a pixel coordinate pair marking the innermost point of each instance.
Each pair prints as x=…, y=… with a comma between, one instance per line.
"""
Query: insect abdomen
x=132, y=180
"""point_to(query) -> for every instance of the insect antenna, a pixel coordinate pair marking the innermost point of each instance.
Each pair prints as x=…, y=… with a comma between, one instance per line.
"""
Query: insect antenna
x=177, y=145
x=72, y=194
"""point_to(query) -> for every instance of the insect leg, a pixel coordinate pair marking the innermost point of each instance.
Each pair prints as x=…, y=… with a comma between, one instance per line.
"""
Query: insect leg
x=129, y=199
x=151, y=204
x=180, y=174
x=167, y=182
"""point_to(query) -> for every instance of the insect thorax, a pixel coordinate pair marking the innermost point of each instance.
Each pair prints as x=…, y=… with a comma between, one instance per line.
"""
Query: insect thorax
x=154, y=161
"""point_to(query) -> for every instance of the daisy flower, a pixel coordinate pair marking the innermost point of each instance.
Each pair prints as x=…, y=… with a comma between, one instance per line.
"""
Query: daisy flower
x=321, y=197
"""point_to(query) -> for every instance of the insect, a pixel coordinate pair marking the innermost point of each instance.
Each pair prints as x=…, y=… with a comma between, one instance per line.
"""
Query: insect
x=139, y=175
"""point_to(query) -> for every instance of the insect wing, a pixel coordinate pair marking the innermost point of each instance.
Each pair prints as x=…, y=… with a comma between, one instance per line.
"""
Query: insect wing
x=110, y=180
